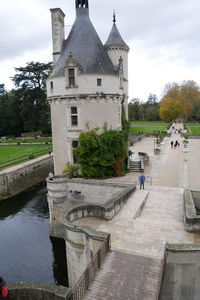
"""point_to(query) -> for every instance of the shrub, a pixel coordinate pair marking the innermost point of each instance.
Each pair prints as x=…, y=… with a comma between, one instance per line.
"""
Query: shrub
x=70, y=168
x=102, y=155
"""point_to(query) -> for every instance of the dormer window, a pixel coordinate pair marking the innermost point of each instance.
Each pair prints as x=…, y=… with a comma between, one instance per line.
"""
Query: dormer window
x=71, y=72
x=99, y=82
x=71, y=77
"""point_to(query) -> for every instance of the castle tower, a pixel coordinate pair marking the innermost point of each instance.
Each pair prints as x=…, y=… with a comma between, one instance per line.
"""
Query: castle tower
x=87, y=85
x=118, y=52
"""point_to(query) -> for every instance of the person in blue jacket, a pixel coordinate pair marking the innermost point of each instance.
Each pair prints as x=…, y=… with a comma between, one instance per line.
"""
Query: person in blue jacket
x=142, y=180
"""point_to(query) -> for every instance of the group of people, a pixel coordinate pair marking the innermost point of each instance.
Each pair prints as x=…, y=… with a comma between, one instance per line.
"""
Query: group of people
x=176, y=130
x=174, y=144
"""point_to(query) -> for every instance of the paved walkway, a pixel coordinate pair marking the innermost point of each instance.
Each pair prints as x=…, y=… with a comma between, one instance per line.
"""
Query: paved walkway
x=145, y=234
x=170, y=168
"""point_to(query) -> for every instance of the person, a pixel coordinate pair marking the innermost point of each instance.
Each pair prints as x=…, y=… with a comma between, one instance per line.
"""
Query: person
x=175, y=144
x=142, y=180
x=130, y=152
x=172, y=143
x=3, y=289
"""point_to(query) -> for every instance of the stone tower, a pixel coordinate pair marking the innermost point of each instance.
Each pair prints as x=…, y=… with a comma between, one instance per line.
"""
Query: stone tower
x=88, y=83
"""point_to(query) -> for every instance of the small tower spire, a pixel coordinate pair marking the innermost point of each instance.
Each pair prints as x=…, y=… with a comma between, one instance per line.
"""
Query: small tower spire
x=114, y=17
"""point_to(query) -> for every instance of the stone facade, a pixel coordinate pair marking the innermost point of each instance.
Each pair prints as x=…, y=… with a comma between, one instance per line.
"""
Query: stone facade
x=88, y=84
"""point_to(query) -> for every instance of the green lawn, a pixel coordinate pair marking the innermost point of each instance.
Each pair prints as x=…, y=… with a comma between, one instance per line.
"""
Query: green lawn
x=194, y=128
x=147, y=127
x=33, y=140
x=13, y=154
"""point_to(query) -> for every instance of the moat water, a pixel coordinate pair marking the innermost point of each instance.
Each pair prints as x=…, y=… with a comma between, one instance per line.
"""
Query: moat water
x=26, y=251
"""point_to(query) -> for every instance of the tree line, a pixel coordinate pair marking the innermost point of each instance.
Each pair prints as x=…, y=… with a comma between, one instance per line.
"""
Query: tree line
x=25, y=107
x=179, y=100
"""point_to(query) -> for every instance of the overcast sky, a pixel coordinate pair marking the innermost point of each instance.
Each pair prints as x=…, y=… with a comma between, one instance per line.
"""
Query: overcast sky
x=163, y=36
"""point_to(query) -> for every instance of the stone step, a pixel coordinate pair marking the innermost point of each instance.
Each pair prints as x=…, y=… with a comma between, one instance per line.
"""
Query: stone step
x=126, y=276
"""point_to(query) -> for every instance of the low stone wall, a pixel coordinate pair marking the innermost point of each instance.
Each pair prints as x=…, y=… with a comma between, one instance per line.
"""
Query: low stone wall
x=19, y=178
x=181, y=272
x=191, y=219
x=35, y=291
x=136, y=138
x=70, y=199
x=193, y=136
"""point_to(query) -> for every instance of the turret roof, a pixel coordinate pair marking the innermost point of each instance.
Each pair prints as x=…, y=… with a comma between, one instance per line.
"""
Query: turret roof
x=85, y=46
x=115, y=38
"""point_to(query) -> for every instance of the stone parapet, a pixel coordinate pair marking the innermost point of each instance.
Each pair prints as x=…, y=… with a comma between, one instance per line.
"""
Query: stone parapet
x=191, y=218
x=17, y=179
x=32, y=291
x=181, y=272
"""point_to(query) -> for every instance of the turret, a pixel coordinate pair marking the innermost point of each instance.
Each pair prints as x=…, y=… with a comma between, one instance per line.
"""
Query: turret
x=117, y=49
x=58, y=32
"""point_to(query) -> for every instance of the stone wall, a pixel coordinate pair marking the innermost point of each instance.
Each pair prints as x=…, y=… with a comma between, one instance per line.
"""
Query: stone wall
x=191, y=218
x=35, y=291
x=182, y=273
x=70, y=199
x=19, y=178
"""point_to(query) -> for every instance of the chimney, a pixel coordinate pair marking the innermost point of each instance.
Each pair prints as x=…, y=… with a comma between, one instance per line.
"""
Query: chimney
x=58, y=32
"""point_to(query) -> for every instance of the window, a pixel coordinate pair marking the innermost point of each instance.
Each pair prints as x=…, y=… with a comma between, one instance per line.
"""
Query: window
x=51, y=85
x=99, y=81
x=74, y=116
x=74, y=146
x=71, y=77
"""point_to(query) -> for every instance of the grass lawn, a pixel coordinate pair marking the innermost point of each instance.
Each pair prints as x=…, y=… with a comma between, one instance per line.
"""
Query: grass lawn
x=147, y=127
x=33, y=140
x=194, y=128
x=13, y=153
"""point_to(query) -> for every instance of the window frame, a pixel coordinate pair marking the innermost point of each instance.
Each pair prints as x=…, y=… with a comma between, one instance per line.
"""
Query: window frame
x=74, y=116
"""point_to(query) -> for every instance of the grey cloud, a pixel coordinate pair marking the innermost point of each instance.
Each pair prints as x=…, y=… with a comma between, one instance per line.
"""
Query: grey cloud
x=160, y=27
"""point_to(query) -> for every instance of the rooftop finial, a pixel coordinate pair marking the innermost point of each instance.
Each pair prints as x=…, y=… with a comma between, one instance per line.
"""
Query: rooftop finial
x=114, y=18
x=81, y=3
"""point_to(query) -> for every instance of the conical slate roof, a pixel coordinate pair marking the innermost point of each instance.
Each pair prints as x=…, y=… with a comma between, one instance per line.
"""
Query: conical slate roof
x=115, y=38
x=86, y=47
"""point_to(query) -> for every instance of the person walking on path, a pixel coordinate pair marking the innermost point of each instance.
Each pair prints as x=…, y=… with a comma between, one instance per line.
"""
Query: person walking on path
x=142, y=180
x=3, y=289
x=172, y=143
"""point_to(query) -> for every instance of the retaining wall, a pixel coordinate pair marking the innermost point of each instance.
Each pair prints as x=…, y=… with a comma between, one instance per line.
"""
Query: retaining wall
x=181, y=272
x=35, y=291
x=21, y=177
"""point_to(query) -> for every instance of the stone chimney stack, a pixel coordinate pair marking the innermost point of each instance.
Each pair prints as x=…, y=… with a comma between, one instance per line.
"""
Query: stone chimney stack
x=58, y=32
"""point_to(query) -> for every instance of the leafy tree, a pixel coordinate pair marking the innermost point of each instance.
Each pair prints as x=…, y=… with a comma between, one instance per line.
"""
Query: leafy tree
x=148, y=111
x=170, y=109
x=30, y=82
x=152, y=99
x=134, y=110
x=187, y=94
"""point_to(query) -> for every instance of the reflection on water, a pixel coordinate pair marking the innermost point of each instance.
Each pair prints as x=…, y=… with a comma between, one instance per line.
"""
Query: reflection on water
x=26, y=251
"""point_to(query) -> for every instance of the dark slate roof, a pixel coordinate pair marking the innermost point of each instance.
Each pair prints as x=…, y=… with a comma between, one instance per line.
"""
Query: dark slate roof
x=86, y=47
x=115, y=38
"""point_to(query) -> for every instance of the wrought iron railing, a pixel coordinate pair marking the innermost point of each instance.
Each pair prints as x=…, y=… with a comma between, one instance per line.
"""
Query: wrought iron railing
x=88, y=276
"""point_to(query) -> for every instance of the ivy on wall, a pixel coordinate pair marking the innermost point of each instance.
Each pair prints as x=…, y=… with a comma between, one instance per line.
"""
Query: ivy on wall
x=102, y=155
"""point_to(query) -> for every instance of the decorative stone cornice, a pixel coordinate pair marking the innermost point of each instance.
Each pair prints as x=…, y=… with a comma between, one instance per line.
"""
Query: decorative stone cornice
x=98, y=97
